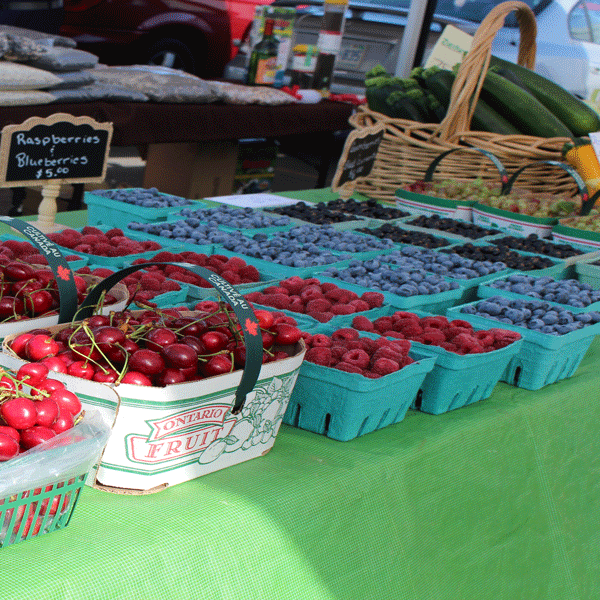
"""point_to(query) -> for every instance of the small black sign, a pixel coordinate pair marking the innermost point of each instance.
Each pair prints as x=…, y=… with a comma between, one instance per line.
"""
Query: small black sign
x=358, y=157
x=61, y=147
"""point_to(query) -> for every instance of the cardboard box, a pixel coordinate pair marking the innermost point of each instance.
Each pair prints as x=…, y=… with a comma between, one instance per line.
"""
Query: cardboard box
x=165, y=436
x=203, y=169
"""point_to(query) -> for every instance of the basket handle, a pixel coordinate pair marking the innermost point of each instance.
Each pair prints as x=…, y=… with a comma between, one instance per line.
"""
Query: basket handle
x=497, y=163
x=241, y=307
x=586, y=201
x=67, y=290
x=471, y=73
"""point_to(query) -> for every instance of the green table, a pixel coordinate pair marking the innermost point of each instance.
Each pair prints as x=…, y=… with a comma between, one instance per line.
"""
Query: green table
x=498, y=500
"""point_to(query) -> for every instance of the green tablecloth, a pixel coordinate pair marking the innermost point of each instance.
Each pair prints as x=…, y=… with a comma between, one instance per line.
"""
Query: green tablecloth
x=498, y=500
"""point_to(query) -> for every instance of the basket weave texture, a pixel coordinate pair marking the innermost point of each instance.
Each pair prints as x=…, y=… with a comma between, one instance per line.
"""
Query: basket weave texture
x=409, y=147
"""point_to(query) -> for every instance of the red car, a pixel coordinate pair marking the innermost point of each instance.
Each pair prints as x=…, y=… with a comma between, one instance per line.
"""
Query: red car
x=197, y=36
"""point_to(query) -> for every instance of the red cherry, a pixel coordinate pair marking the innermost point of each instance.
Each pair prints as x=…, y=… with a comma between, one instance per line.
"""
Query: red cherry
x=50, y=385
x=96, y=321
x=217, y=365
x=11, y=307
x=81, y=369
x=19, y=412
x=19, y=343
x=214, y=341
x=55, y=364
x=195, y=343
x=33, y=436
x=9, y=447
x=189, y=326
x=265, y=318
x=287, y=335
x=40, y=346
x=136, y=378
x=32, y=373
x=108, y=376
x=18, y=271
x=64, y=422
x=10, y=431
x=39, y=302
x=6, y=383
x=180, y=356
x=170, y=377
x=146, y=361
x=47, y=412
x=160, y=337
x=268, y=339
x=67, y=401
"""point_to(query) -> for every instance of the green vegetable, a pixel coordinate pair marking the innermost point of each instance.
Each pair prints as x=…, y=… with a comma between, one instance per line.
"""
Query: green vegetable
x=580, y=118
x=485, y=118
x=521, y=108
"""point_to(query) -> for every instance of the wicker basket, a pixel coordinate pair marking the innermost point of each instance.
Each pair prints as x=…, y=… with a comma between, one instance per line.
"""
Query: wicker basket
x=409, y=147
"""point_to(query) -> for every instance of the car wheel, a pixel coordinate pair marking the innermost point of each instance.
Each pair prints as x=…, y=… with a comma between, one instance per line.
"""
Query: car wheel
x=169, y=52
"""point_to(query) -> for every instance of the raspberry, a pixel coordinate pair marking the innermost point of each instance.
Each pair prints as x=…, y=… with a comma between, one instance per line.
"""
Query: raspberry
x=449, y=346
x=83, y=271
x=345, y=333
x=373, y=299
x=35, y=259
x=322, y=317
x=371, y=375
x=505, y=334
x=386, y=352
x=361, y=323
x=296, y=304
x=235, y=264
x=334, y=293
x=464, y=340
x=411, y=331
x=394, y=334
x=165, y=256
x=89, y=229
x=368, y=345
x=151, y=284
x=485, y=338
x=359, y=305
x=102, y=249
x=433, y=338
x=342, y=309
x=344, y=366
x=402, y=314
x=451, y=332
x=318, y=305
x=276, y=300
x=337, y=351
x=461, y=323
x=352, y=344
x=320, y=355
x=170, y=286
x=476, y=349
x=275, y=289
x=385, y=366
x=83, y=248
x=437, y=322
x=403, y=346
x=311, y=292
x=254, y=297
x=406, y=360
x=320, y=339
x=231, y=277
x=294, y=285
x=383, y=324
x=115, y=231
x=249, y=272
x=341, y=296
x=357, y=357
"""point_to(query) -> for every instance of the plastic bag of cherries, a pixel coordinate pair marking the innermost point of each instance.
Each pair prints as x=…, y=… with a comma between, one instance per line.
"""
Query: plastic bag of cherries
x=47, y=448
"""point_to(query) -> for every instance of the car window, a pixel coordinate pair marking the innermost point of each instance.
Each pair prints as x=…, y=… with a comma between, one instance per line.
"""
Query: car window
x=593, y=11
x=578, y=24
x=470, y=10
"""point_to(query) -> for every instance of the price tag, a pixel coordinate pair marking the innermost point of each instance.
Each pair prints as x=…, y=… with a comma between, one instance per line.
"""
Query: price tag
x=60, y=147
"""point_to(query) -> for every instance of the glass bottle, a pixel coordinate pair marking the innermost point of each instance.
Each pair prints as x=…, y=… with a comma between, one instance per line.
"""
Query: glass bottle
x=263, y=60
x=329, y=42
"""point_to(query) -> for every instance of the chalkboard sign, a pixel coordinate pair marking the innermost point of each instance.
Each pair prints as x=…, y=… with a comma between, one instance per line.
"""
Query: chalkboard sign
x=60, y=147
x=358, y=156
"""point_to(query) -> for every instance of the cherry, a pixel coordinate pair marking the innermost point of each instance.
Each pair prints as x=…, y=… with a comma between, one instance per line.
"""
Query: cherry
x=188, y=326
x=96, y=321
x=180, y=356
x=18, y=344
x=265, y=318
x=287, y=335
x=169, y=377
x=32, y=373
x=10, y=431
x=7, y=383
x=108, y=376
x=64, y=422
x=55, y=364
x=9, y=447
x=67, y=401
x=39, y=302
x=160, y=337
x=19, y=412
x=136, y=378
x=81, y=368
x=40, y=346
x=195, y=343
x=147, y=362
x=108, y=336
x=51, y=385
x=217, y=365
x=11, y=307
x=268, y=339
x=18, y=271
x=214, y=341
x=33, y=436
x=47, y=412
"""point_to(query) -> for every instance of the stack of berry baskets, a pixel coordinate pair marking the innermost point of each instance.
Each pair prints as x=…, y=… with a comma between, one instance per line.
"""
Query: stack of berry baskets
x=469, y=361
x=452, y=228
x=104, y=247
x=555, y=339
x=350, y=385
x=117, y=207
x=17, y=248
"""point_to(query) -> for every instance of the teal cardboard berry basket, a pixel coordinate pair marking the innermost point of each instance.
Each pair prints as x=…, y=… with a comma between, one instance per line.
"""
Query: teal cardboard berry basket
x=543, y=359
x=344, y=406
x=106, y=212
x=456, y=380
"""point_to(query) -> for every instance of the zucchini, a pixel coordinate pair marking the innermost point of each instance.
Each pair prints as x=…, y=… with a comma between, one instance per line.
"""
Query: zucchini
x=580, y=118
x=521, y=108
x=485, y=118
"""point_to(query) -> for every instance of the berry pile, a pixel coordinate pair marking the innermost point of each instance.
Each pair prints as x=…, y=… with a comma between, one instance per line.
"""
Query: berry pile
x=346, y=351
x=447, y=264
x=563, y=291
x=534, y=315
x=92, y=240
x=234, y=270
x=510, y=258
x=148, y=198
x=33, y=408
x=142, y=287
x=238, y=218
x=399, y=235
x=156, y=347
x=375, y=274
x=181, y=231
x=321, y=301
x=338, y=211
x=456, y=336
x=26, y=252
x=456, y=226
x=533, y=243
